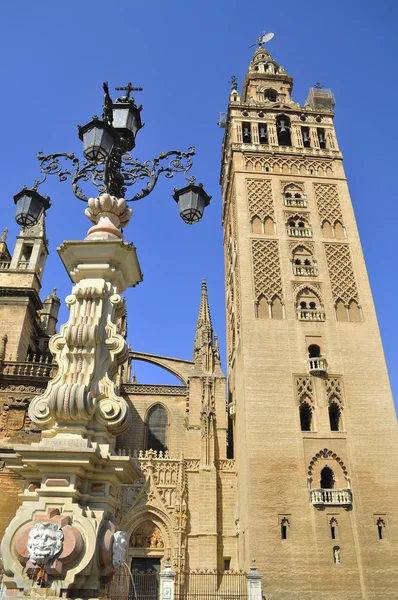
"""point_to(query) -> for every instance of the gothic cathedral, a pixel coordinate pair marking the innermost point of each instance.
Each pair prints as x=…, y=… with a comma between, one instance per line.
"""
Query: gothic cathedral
x=288, y=460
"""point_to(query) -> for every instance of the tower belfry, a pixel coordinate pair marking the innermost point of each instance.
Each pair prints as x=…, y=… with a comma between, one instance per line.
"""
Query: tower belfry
x=310, y=406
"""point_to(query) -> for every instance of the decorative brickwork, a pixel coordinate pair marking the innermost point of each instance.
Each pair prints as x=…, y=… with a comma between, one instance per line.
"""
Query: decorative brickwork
x=288, y=166
x=341, y=273
x=304, y=390
x=259, y=198
x=327, y=199
x=266, y=269
x=333, y=390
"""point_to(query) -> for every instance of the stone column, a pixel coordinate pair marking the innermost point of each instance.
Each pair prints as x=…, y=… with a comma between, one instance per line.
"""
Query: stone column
x=254, y=579
x=65, y=535
x=167, y=578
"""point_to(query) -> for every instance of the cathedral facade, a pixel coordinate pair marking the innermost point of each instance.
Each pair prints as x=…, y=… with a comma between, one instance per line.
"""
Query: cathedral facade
x=288, y=458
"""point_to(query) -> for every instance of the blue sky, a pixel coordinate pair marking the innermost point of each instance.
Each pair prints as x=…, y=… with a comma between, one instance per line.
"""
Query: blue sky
x=54, y=57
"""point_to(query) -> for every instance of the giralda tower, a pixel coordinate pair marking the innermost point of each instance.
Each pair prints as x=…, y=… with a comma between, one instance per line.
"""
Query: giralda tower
x=312, y=422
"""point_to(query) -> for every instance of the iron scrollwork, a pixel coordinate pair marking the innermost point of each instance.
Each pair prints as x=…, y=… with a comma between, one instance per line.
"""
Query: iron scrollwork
x=117, y=173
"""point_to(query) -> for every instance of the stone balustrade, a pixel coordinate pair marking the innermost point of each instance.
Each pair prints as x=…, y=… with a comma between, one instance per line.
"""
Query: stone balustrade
x=5, y=265
x=305, y=270
x=303, y=232
x=331, y=497
x=296, y=202
x=310, y=314
x=317, y=366
x=29, y=369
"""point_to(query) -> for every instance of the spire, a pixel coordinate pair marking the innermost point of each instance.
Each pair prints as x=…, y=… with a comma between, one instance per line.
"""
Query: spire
x=266, y=80
x=205, y=347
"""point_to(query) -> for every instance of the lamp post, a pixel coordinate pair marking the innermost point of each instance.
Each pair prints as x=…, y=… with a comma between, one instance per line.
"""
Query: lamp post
x=111, y=168
x=65, y=537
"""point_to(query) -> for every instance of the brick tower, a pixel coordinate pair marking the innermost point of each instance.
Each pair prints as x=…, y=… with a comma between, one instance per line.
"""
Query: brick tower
x=312, y=422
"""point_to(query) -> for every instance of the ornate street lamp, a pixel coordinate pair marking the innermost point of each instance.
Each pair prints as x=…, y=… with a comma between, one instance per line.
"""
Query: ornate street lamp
x=109, y=166
x=30, y=205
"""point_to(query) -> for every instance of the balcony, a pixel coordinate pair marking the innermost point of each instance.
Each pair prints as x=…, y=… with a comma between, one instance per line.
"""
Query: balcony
x=310, y=314
x=296, y=202
x=305, y=270
x=322, y=497
x=317, y=366
x=302, y=232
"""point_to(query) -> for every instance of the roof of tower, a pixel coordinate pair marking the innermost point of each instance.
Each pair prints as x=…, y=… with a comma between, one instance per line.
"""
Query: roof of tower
x=204, y=318
x=264, y=67
x=52, y=297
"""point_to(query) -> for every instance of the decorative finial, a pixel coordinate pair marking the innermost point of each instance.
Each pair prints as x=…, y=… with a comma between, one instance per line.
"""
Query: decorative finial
x=318, y=86
x=263, y=39
x=128, y=89
x=234, y=83
x=4, y=235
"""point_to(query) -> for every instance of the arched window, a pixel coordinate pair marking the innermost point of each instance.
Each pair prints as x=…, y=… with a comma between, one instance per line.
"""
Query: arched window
x=327, y=229
x=341, y=311
x=303, y=262
x=334, y=416
x=262, y=308
x=156, y=424
x=336, y=555
x=314, y=351
x=354, y=312
x=257, y=226
x=305, y=416
x=333, y=528
x=276, y=308
x=270, y=95
x=298, y=226
x=339, y=231
x=284, y=528
x=283, y=130
x=312, y=311
x=380, y=528
x=327, y=478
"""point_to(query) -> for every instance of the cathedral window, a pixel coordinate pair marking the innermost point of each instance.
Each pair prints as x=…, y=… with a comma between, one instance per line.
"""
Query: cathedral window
x=305, y=132
x=327, y=478
x=334, y=416
x=283, y=130
x=262, y=133
x=303, y=263
x=270, y=95
x=354, y=312
x=341, y=311
x=227, y=564
x=333, y=524
x=380, y=528
x=156, y=426
x=284, y=523
x=308, y=306
x=263, y=308
x=336, y=555
x=246, y=133
x=321, y=138
x=305, y=416
x=298, y=226
x=293, y=195
x=276, y=308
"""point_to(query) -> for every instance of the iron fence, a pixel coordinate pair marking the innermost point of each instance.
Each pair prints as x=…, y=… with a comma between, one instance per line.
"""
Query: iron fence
x=134, y=585
x=210, y=585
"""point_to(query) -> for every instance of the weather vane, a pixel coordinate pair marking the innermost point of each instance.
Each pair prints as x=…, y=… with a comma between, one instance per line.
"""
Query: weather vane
x=263, y=39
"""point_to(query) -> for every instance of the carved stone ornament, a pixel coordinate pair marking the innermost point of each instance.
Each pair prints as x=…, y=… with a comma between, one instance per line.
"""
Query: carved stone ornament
x=45, y=542
x=108, y=213
x=119, y=548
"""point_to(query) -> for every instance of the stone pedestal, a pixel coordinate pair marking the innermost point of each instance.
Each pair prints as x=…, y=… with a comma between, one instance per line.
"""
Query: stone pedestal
x=62, y=540
x=254, y=583
x=167, y=578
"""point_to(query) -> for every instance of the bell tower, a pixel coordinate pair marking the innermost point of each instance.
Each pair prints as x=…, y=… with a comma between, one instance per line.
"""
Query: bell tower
x=20, y=283
x=312, y=422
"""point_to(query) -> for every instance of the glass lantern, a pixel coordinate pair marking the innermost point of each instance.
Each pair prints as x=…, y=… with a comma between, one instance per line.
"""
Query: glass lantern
x=30, y=206
x=127, y=121
x=191, y=200
x=98, y=139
